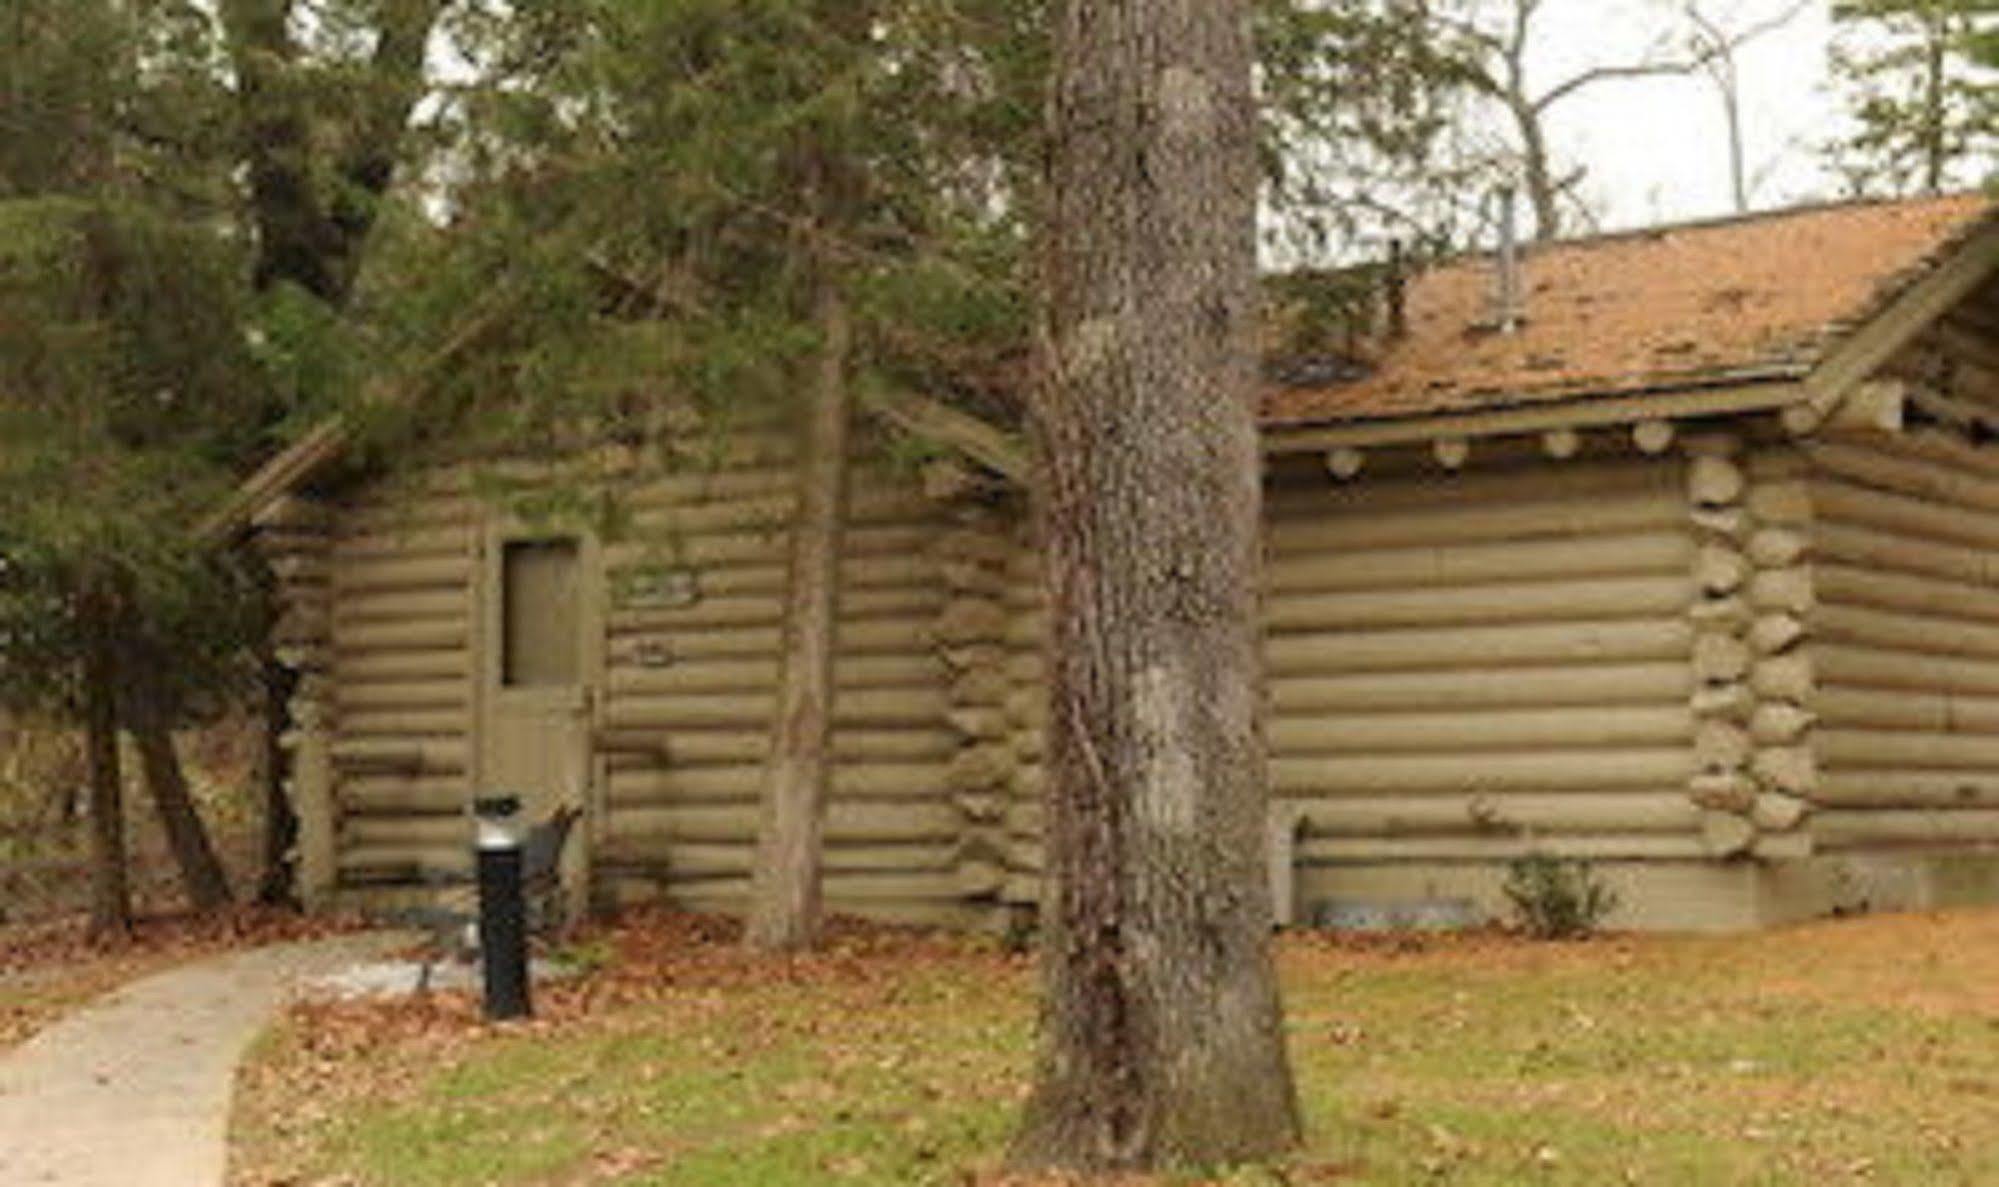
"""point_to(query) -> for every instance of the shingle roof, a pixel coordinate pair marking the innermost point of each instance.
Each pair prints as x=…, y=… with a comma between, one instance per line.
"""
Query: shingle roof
x=1670, y=308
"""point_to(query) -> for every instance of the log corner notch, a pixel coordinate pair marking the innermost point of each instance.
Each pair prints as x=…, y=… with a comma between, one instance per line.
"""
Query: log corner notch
x=971, y=640
x=1754, y=770
x=293, y=533
x=1876, y=405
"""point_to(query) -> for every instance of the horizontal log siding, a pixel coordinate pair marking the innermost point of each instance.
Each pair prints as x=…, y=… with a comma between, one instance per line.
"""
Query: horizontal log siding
x=696, y=677
x=401, y=571
x=1459, y=667
x=1905, y=642
x=1463, y=666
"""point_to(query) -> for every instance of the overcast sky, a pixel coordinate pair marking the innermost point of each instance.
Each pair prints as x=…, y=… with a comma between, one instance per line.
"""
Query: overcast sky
x=1656, y=148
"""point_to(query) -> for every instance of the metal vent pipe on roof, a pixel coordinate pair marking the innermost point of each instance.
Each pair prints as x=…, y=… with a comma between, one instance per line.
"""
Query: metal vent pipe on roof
x=1508, y=294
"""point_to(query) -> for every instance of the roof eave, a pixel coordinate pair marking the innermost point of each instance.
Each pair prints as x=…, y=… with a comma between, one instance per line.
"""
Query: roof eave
x=1739, y=393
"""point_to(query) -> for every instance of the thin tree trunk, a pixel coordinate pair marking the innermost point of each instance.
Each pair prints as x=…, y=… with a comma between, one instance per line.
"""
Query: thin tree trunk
x=785, y=887
x=1738, y=169
x=110, y=890
x=1936, y=148
x=1162, y=1032
x=201, y=873
x=1538, y=175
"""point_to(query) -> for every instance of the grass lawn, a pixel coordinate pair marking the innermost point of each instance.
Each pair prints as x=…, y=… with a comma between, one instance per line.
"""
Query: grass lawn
x=1864, y=1051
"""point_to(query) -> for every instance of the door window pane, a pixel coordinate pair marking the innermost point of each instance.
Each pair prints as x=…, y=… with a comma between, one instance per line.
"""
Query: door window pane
x=538, y=614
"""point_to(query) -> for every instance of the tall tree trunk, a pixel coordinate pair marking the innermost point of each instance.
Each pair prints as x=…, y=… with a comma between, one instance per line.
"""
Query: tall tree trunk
x=310, y=233
x=1543, y=191
x=201, y=872
x=1738, y=168
x=785, y=887
x=110, y=890
x=1162, y=1033
x=1936, y=137
x=277, y=876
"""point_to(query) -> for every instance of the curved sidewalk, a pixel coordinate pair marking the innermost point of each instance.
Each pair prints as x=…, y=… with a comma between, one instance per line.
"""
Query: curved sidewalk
x=134, y=1090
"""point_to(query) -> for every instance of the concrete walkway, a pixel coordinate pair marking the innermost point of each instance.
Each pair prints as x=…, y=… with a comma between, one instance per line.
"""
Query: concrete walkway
x=134, y=1091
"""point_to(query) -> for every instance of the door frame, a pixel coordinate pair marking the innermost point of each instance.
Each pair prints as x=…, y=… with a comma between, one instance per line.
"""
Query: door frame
x=488, y=660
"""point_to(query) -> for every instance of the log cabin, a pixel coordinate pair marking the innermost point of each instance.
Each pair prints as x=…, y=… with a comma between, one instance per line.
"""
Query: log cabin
x=1680, y=555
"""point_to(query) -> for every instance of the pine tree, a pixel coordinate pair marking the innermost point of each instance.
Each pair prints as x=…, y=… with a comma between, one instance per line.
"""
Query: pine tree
x=317, y=119
x=1921, y=87
x=122, y=375
x=1360, y=110
x=128, y=398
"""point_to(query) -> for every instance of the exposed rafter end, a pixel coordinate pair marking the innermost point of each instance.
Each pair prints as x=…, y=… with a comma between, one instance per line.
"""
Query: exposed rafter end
x=1745, y=396
x=282, y=474
x=1652, y=436
x=1345, y=462
x=1875, y=405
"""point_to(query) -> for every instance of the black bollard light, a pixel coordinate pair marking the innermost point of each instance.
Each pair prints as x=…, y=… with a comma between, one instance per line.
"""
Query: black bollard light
x=503, y=931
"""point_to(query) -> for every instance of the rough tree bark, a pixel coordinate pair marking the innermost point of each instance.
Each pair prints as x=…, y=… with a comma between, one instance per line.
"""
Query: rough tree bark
x=110, y=889
x=201, y=872
x=1162, y=1032
x=784, y=910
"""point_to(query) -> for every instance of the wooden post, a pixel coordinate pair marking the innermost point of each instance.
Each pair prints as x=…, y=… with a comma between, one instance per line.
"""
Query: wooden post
x=313, y=800
x=579, y=855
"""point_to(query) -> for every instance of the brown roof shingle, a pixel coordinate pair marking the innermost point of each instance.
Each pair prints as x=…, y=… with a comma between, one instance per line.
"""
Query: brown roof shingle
x=1670, y=308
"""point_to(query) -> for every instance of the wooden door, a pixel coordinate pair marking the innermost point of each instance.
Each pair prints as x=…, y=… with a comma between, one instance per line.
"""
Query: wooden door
x=541, y=668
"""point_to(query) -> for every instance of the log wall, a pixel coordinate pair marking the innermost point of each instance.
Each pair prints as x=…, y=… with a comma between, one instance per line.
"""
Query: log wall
x=681, y=724
x=1905, y=641
x=1461, y=667
x=401, y=567
x=695, y=636
x=1464, y=667
x=1734, y=650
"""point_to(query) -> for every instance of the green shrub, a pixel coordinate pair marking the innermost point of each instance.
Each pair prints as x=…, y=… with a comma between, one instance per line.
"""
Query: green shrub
x=1557, y=898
